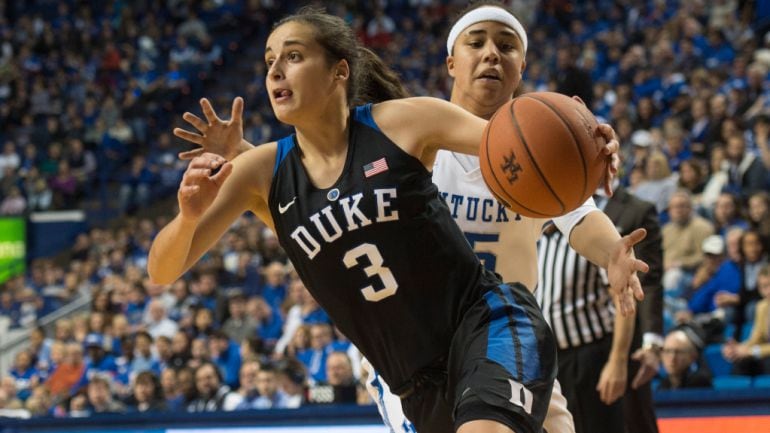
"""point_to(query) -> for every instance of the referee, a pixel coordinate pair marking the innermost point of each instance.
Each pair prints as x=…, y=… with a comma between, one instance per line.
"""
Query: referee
x=593, y=341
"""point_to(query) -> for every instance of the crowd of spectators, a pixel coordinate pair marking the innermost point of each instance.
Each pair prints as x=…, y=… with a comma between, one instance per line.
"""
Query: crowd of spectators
x=90, y=90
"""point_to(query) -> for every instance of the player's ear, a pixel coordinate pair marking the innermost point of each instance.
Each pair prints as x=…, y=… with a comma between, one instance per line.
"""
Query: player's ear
x=523, y=67
x=342, y=70
x=450, y=66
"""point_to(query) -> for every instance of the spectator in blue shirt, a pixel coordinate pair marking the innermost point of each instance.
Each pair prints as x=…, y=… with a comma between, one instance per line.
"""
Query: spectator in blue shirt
x=727, y=277
x=25, y=374
x=270, y=396
x=226, y=354
x=97, y=360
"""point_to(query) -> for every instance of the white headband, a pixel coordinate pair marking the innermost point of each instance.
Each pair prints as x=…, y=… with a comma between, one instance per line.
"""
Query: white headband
x=486, y=13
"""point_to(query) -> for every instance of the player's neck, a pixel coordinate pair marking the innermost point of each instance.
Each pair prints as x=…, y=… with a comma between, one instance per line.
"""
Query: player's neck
x=472, y=106
x=325, y=136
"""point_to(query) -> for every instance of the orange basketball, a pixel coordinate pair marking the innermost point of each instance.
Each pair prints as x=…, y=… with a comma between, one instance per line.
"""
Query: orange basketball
x=541, y=154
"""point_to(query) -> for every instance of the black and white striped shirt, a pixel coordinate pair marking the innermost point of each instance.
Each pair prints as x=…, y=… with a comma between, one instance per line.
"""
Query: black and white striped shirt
x=572, y=293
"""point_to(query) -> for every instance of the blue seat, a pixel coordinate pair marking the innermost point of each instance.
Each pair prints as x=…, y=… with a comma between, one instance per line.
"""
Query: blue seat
x=762, y=381
x=732, y=382
x=718, y=365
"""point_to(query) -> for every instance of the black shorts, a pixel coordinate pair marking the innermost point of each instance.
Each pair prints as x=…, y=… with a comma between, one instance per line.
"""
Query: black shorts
x=501, y=366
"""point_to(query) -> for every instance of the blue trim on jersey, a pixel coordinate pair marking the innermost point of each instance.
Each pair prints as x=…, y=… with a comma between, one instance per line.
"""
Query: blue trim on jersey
x=500, y=340
x=285, y=145
x=381, y=397
x=363, y=114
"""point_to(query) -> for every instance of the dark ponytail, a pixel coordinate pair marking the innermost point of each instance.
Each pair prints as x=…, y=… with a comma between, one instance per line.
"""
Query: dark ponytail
x=374, y=81
x=371, y=80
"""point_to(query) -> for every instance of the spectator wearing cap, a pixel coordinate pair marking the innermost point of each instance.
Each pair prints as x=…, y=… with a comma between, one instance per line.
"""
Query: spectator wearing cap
x=239, y=326
x=752, y=357
x=680, y=355
x=641, y=140
x=716, y=275
x=98, y=361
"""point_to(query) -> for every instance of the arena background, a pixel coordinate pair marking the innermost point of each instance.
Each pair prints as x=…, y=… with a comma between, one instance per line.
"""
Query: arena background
x=90, y=90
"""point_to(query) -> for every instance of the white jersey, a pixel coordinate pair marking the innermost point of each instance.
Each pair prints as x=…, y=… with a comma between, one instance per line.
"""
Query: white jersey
x=505, y=242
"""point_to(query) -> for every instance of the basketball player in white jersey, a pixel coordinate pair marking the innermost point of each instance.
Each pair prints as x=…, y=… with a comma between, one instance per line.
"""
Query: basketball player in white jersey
x=486, y=49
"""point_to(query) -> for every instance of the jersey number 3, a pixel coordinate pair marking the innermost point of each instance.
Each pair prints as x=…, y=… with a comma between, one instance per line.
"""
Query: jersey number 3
x=375, y=267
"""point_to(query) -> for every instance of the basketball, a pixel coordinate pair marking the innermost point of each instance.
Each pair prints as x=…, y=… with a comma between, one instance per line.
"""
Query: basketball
x=541, y=154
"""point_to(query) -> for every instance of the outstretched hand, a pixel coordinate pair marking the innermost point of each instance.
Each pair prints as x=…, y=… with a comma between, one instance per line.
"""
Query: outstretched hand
x=215, y=135
x=625, y=286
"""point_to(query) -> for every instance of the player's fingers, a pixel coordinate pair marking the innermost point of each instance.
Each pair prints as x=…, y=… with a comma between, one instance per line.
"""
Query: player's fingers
x=190, y=154
x=638, y=378
x=611, y=147
x=579, y=99
x=209, y=112
x=607, y=132
x=223, y=174
x=195, y=121
x=188, y=191
x=236, y=114
x=189, y=136
x=635, y=237
x=195, y=175
x=636, y=288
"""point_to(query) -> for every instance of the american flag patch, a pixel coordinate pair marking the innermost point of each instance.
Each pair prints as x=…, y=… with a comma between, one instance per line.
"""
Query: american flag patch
x=375, y=167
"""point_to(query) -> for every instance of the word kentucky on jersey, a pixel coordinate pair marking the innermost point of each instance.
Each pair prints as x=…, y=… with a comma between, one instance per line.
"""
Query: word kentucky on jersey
x=473, y=208
x=355, y=218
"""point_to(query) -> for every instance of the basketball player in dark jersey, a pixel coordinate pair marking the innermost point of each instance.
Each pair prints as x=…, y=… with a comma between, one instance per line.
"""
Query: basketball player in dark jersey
x=351, y=199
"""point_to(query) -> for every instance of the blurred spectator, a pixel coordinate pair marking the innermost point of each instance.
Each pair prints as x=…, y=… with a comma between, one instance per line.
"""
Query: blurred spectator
x=14, y=203
x=67, y=374
x=268, y=318
x=159, y=324
x=187, y=390
x=339, y=375
x=211, y=394
x=753, y=259
x=315, y=357
x=752, y=357
x=171, y=390
x=98, y=361
x=680, y=360
x=25, y=374
x=248, y=388
x=199, y=352
x=226, y=355
x=144, y=357
x=100, y=398
x=147, y=394
x=759, y=216
x=727, y=214
x=64, y=186
x=8, y=398
x=238, y=326
x=292, y=378
x=683, y=237
x=304, y=310
x=180, y=350
x=658, y=184
x=274, y=288
x=747, y=174
x=572, y=79
x=270, y=395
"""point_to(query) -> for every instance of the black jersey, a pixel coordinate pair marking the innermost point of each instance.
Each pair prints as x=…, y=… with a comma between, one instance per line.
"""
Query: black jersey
x=378, y=250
